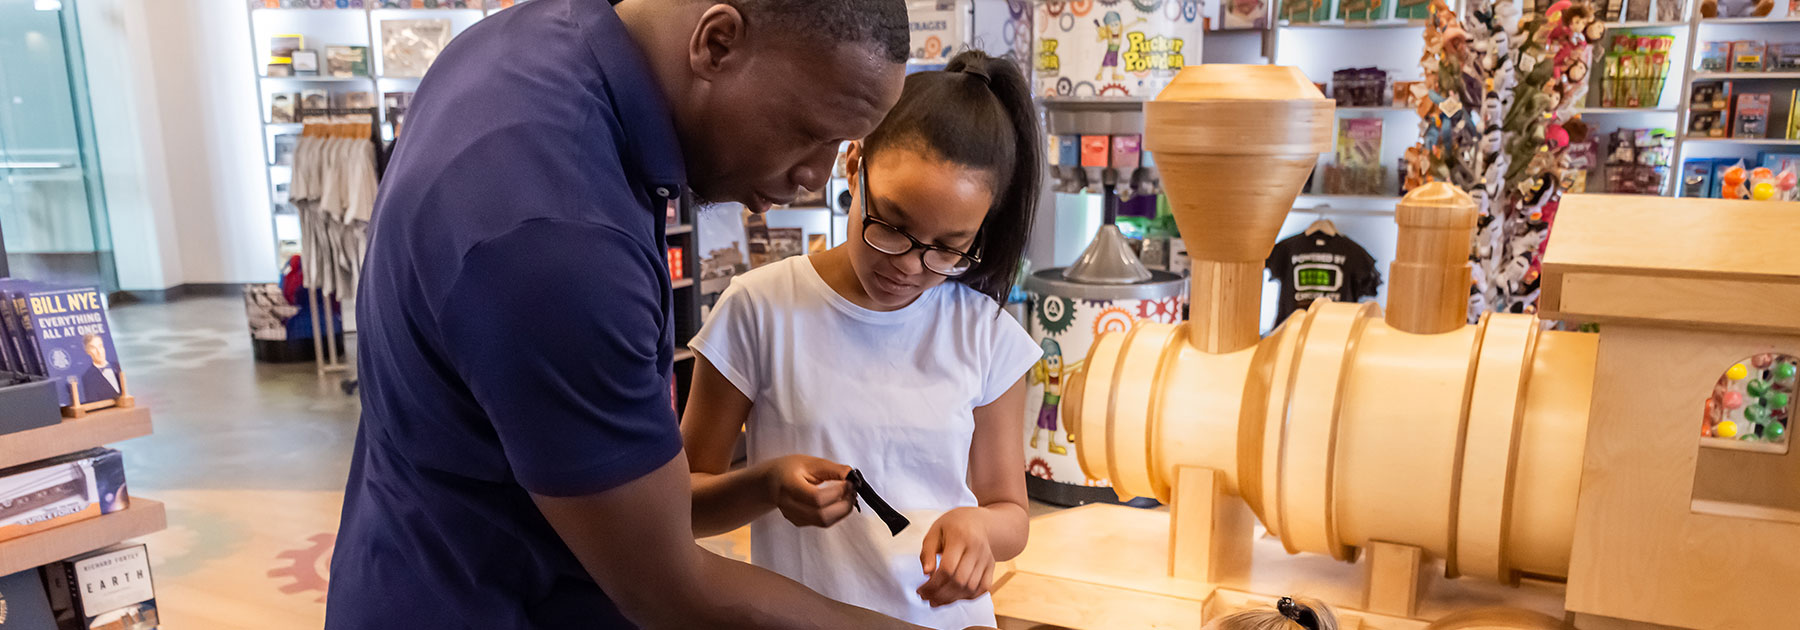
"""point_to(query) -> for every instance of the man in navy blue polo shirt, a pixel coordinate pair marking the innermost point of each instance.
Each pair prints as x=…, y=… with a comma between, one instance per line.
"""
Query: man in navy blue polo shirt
x=519, y=463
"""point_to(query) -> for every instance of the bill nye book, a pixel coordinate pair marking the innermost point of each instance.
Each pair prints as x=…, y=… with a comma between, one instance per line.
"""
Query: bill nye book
x=74, y=340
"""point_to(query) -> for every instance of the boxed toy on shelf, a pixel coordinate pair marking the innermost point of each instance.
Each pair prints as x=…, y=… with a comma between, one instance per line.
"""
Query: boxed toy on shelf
x=1713, y=57
x=1747, y=56
x=1696, y=177
x=1245, y=14
x=55, y=492
x=1710, y=103
x=1751, y=117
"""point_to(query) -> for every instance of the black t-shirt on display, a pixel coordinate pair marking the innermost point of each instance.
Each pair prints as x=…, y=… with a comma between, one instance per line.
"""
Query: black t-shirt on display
x=1319, y=265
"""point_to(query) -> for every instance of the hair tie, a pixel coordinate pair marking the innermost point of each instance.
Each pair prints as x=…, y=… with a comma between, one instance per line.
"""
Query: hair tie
x=978, y=71
x=1298, y=613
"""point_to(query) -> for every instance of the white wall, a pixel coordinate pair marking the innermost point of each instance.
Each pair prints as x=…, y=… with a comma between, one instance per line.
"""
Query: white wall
x=177, y=120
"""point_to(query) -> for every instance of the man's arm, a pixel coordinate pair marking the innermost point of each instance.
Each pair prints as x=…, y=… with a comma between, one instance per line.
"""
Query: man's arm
x=634, y=540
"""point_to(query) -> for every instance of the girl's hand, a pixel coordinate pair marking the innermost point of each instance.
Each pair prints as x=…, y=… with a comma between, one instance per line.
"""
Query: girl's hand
x=966, y=567
x=809, y=491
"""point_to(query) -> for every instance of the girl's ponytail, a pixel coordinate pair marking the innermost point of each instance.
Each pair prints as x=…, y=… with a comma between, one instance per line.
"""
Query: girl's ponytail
x=977, y=113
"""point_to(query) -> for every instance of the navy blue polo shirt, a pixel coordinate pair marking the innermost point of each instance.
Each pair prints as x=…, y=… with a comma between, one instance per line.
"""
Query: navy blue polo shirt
x=514, y=326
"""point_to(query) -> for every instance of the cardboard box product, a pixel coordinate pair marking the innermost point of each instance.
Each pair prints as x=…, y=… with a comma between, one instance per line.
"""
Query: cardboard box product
x=1715, y=57
x=1696, y=177
x=1751, y=119
x=58, y=491
x=109, y=589
x=1783, y=57
x=1747, y=56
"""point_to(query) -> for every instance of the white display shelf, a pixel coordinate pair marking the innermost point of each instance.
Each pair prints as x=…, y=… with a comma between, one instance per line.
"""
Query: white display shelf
x=1625, y=110
x=1751, y=20
x=1746, y=76
x=144, y=517
x=680, y=229
x=682, y=283
x=1336, y=24
x=71, y=435
x=317, y=79
x=1376, y=109
x=1642, y=24
x=1782, y=142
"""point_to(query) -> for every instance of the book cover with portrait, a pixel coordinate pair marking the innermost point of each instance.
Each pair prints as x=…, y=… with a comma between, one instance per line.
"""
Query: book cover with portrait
x=74, y=340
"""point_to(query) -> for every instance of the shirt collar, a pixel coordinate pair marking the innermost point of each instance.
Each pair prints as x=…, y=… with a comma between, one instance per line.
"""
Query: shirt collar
x=645, y=119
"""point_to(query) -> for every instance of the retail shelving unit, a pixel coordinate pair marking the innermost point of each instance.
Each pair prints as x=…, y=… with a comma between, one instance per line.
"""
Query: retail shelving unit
x=329, y=27
x=99, y=428
x=1772, y=28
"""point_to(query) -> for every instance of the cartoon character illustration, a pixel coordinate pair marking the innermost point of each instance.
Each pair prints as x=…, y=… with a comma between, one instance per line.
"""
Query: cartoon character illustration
x=1049, y=371
x=1112, y=31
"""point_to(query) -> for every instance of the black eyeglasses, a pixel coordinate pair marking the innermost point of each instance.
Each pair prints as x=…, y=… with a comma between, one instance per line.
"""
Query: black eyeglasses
x=893, y=241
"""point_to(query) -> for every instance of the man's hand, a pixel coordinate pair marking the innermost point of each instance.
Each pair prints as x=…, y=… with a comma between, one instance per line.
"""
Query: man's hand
x=958, y=558
x=809, y=491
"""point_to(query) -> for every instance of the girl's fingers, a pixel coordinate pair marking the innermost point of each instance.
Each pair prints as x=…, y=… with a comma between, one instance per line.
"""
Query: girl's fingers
x=828, y=493
x=987, y=579
x=968, y=572
x=928, y=555
x=831, y=514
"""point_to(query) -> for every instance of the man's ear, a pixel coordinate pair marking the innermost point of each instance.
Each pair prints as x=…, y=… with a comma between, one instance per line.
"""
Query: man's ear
x=719, y=41
x=853, y=156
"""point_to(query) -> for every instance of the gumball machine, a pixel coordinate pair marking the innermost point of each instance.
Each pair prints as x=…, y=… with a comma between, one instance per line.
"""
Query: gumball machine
x=1095, y=65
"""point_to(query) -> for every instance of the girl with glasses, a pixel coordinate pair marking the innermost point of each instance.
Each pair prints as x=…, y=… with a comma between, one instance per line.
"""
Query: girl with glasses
x=888, y=354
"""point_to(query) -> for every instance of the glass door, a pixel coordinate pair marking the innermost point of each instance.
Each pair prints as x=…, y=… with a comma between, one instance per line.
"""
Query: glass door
x=52, y=210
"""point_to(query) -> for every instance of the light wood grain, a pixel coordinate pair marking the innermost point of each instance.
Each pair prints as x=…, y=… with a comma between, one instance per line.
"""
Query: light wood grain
x=74, y=434
x=1428, y=287
x=1641, y=553
x=1496, y=408
x=145, y=516
x=1210, y=531
x=1708, y=303
x=1041, y=599
x=1685, y=237
x=1394, y=574
x=1309, y=442
x=1225, y=311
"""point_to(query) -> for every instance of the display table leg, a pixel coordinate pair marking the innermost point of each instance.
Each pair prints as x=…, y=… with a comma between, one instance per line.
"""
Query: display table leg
x=1210, y=531
x=1393, y=573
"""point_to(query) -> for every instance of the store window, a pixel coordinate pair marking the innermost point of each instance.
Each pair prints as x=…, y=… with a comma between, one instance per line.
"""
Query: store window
x=1745, y=466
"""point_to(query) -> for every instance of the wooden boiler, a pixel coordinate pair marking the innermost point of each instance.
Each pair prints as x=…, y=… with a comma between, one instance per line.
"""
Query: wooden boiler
x=1532, y=468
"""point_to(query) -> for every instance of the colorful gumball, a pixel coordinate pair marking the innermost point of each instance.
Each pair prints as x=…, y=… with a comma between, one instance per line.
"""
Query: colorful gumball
x=1712, y=408
x=1726, y=429
x=1737, y=372
x=1774, y=431
x=1733, y=400
x=1762, y=191
x=1756, y=413
x=1762, y=361
x=1784, y=370
x=1756, y=387
x=1777, y=400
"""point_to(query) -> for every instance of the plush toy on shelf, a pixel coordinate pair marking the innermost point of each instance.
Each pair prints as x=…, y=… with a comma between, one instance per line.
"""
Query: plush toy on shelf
x=1736, y=8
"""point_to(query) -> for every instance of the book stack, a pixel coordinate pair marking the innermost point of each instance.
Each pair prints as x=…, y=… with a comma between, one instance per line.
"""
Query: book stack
x=110, y=589
x=62, y=334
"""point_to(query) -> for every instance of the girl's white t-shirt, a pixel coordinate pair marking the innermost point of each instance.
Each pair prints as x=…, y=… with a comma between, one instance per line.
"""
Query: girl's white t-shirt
x=891, y=393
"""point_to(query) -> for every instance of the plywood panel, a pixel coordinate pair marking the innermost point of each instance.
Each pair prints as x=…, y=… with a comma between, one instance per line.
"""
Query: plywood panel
x=1676, y=237
x=1640, y=552
x=1686, y=302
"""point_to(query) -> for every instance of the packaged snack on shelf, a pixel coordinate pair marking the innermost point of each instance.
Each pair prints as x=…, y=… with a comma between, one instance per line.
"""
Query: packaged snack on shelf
x=1637, y=10
x=1304, y=11
x=1751, y=118
x=1412, y=9
x=1359, y=87
x=1403, y=93
x=1715, y=57
x=1359, y=10
x=1240, y=14
x=110, y=589
x=1747, y=56
x=55, y=492
x=1357, y=170
x=1668, y=10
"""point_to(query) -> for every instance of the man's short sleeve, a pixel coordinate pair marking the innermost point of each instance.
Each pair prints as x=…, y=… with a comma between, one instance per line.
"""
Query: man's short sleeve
x=557, y=328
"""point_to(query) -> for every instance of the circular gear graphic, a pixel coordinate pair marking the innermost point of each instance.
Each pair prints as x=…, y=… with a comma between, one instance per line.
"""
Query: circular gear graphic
x=1113, y=319
x=1115, y=89
x=1055, y=8
x=1089, y=88
x=308, y=569
x=1040, y=469
x=1055, y=314
x=1017, y=8
x=1066, y=22
x=1065, y=86
x=1147, y=6
x=1161, y=310
x=1081, y=7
